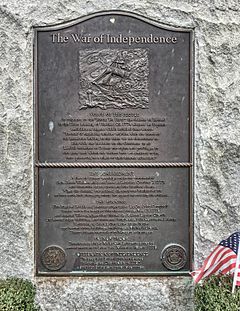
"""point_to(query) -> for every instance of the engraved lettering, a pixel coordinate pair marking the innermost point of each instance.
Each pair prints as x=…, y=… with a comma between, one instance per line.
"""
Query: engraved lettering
x=58, y=38
x=78, y=38
x=111, y=216
x=130, y=40
x=112, y=39
x=112, y=135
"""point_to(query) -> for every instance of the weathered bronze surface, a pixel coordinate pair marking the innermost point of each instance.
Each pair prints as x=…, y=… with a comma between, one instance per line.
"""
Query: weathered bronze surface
x=113, y=146
x=114, y=219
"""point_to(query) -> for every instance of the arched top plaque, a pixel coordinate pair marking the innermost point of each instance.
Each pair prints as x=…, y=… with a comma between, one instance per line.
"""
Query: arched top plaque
x=112, y=71
x=113, y=145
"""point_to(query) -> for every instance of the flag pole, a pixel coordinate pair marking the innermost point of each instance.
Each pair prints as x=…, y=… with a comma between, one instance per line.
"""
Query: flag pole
x=236, y=269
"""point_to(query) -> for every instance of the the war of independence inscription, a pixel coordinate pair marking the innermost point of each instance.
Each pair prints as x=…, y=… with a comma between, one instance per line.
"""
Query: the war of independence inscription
x=113, y=147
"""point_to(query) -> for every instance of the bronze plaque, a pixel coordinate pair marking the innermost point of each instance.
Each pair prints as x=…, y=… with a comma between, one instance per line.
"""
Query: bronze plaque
x=113, y=146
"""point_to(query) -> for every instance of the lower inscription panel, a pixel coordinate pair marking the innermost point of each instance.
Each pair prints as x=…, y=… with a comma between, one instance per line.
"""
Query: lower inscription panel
x=113, y=220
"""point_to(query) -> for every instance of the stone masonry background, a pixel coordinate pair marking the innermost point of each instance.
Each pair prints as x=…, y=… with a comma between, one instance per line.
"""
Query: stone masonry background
x=216, y=142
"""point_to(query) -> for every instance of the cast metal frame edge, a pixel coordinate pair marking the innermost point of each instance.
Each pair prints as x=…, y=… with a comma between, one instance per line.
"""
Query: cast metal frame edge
x=191, y=105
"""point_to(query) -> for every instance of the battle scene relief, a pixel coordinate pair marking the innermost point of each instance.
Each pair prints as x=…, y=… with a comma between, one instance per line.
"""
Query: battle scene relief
x=114, y=79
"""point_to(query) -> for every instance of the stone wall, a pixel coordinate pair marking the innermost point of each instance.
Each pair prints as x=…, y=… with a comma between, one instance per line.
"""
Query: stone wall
x=216, y=141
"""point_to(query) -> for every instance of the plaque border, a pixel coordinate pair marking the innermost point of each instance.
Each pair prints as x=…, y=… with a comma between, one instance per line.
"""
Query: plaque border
x=37, y=165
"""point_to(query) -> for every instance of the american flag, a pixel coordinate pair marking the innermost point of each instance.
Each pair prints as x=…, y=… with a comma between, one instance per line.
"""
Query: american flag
x=222, y=260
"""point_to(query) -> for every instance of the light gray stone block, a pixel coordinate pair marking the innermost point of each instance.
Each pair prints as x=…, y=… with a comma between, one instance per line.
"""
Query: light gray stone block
x=216, y=141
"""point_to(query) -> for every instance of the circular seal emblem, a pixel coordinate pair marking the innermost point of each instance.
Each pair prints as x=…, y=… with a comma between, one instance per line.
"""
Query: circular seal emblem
x=53, y=258
x=174, y=257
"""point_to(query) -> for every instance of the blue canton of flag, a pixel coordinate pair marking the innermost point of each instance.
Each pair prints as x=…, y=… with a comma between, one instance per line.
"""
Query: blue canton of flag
x=232, y=242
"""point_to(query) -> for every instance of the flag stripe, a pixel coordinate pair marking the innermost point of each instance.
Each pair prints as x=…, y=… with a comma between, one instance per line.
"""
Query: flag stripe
x=217, y=255
x=229, y=267
x=221, y=260
x=211, y=258
x=217, y=266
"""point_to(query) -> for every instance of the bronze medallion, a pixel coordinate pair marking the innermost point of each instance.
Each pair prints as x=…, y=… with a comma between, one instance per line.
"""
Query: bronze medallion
x=174, y=257
x=53, y=258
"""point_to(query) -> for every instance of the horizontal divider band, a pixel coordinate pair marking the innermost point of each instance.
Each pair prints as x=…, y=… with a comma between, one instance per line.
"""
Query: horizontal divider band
x=92, y=165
